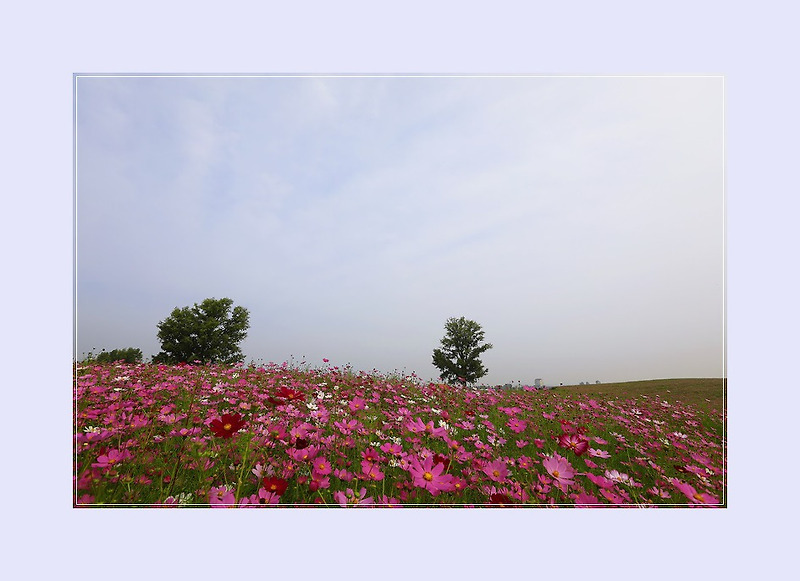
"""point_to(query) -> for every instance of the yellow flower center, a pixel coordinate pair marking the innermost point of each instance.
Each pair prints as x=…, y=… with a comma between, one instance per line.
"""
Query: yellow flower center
x=698, y=497
x=555, y=473
x=496, y=473
x=227, y=427
x=428, y=476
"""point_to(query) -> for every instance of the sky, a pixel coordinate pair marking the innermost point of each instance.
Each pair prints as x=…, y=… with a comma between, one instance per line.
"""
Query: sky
x=579, y=220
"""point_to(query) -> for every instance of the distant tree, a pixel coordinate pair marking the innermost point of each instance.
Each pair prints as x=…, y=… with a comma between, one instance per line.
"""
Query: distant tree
x=458, y=358
x=128, y=355
x=209, y=332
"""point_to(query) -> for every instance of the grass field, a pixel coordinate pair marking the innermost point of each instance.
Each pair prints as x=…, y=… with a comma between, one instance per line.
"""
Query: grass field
x=704, y=393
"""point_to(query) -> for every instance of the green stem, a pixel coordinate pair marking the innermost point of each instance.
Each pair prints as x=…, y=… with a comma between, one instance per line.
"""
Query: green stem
x=241, y=471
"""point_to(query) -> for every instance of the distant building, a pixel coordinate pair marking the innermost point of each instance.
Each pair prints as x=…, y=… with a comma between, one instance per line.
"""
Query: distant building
x=537, y=382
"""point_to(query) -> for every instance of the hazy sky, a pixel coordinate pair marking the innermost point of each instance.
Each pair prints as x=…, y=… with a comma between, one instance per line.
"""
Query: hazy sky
x=579, y=220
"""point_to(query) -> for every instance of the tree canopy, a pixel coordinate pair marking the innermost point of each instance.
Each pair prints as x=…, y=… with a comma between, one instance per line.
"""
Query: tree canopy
x=209, y=332
x=128, y=355
x=458, y=359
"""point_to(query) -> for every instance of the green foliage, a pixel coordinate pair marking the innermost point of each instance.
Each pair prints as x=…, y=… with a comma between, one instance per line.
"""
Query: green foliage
x=458, y=358
x=209, y=332
x=128, y=355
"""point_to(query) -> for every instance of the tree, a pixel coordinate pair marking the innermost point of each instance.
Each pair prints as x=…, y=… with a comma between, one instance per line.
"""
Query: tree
x=209, y=332
x=458, y=358
x=128, y=355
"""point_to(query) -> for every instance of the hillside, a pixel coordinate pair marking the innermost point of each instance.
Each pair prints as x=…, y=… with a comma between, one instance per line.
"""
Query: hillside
x=704, y=393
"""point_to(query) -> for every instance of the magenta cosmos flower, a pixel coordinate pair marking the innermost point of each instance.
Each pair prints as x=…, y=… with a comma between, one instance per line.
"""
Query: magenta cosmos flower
x=321, y=467
x=350, y=498
x=221, y=496
x=111, y=458
x=419, y=427
x=693, y=495
x=497, y=470
x=428, y=475
x=516, y=425
x=559, y=468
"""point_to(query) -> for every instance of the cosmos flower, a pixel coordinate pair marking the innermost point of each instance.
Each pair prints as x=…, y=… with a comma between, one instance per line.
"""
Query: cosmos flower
x=428, y=475
x=598, y=453
x=497, y=470
x=693, y=495
x=559, y=468
x=275, y=485
x=111, y=459
x=350, y=498
x=371, y=470
x=227, y=425
x=321, y=467
x=221, y=496
x=575, y=442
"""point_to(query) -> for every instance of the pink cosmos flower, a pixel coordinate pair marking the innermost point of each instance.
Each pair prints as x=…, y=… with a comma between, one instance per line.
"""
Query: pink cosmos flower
x=388, y=501
x=693, y=495
x=318, y=482
x=267, y=497
x=304, y=455
x=356, y=404
x=343, y=474
x=617, y=476
x=516, y=425
x=370, y=454
x=459, y=484
x=350, y=498
x=371, y=470
x=655, y=490
x=524, y=462
x=418, y=427
x=497, y=470
x=391, y=448
x=560, y=469
x=221, y=497
x=321, y=466
x=584, y=498
x=111, y=458
x=614, y=497
x=428, y=475
x=695, y=470
x=599, y=453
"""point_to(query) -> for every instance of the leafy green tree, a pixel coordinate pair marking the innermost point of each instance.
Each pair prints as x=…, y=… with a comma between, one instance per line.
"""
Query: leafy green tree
x=458, y=358
x=209, y=332
x=129, y=355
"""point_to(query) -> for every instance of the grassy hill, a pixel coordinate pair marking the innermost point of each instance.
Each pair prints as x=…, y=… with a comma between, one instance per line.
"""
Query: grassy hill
x=704, y=393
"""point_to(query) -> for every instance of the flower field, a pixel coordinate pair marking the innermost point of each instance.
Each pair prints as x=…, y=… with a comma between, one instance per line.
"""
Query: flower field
x=281, y=435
